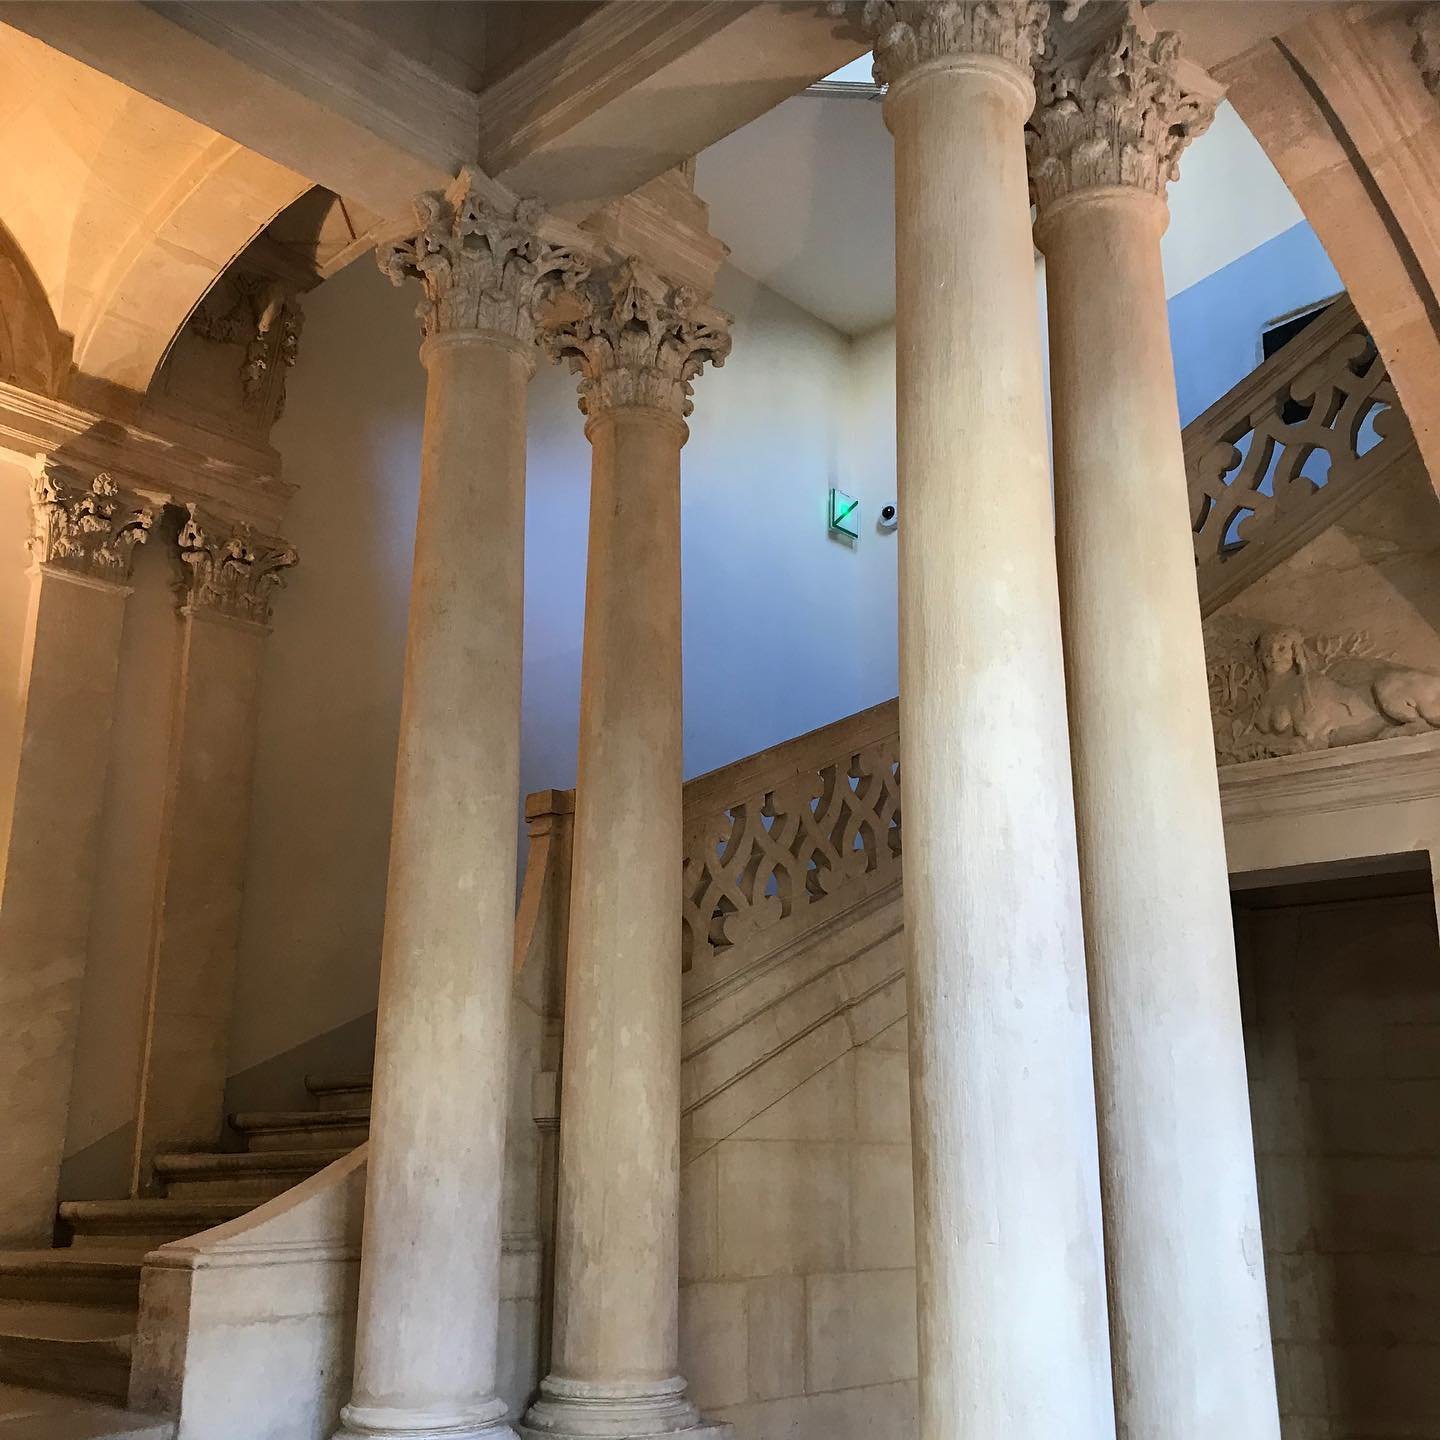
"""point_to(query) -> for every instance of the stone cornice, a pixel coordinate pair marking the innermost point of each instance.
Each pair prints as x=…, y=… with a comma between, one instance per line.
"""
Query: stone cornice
x=231, y=571
x=181, y=468
x=1119, y=116
x=483, y=264
x=85, y=525
x=910, y=33
x=639, y=342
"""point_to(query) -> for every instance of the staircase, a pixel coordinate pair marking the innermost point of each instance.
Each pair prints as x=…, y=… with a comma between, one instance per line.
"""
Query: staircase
x=68, y=1315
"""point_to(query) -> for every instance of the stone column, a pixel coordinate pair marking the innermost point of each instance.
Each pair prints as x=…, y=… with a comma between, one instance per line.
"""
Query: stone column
x=231, y=575
x=425, y=1355
x=615, y=1355
x=1007, y=1214
x=83, y=538
x=1189, y=1329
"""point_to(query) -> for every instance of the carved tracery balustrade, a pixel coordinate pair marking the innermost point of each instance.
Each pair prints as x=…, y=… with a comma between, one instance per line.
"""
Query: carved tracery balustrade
x=1277, y=460
x=777, y=843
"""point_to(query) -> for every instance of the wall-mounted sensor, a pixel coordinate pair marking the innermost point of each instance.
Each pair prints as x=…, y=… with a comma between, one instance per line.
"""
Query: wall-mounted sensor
x=889, y=518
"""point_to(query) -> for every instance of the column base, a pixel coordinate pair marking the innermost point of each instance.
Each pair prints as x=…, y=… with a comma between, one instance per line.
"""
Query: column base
x=379, y=1423
x=584, y=1410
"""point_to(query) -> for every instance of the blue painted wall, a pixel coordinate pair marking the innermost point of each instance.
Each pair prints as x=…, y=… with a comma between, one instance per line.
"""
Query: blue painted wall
x=1215, y=325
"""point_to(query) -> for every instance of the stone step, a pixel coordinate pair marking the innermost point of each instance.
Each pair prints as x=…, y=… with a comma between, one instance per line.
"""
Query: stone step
x=39, y=1415
x=266, y=1130
x=85, y=1276
x=241, y=1175
x=340, y=1089
x=78, y=1349
x=145, y=1223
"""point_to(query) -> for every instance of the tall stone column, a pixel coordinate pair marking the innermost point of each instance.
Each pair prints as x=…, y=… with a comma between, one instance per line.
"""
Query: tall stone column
x=1189, y=1328
x=615, y=1356
x=425, y=1355
x=231, y=574
x=82, y=541
x=1007, y=1213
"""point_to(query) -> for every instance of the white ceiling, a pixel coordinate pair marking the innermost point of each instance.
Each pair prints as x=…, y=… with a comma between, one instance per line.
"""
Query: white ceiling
x=804, y=198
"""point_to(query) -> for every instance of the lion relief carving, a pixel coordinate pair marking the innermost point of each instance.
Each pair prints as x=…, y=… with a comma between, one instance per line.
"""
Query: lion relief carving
x=1275, y=691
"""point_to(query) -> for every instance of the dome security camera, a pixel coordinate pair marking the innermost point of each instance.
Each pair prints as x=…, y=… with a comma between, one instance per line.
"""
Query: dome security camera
x=889, y=517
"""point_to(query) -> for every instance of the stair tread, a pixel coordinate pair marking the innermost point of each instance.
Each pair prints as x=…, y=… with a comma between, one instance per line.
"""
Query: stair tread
x=250, y=1120
x=159, y=1208
x=68, y=1323
x=240, y=1162
x=321, y=1084
x=27, y=1414
x=68, y=1261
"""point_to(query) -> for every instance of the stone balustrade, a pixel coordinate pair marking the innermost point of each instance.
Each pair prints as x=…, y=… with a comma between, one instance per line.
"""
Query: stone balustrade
x=1276, y=460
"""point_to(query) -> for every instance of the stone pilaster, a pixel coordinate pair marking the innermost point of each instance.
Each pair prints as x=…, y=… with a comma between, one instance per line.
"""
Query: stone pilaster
x=1189, y=1329
x=1000, y=1083
x=437, y=1134
x=229, y=574
x=638, y=347
x=84, y=531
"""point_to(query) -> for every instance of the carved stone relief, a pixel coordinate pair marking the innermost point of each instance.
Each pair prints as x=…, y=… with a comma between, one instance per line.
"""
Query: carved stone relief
x=263, y=318
x=1426, y=24
x=89, y=527
x=638, y=341
x=1275, y=690
x=909, y=33
x=231, y=571
x=481, y=267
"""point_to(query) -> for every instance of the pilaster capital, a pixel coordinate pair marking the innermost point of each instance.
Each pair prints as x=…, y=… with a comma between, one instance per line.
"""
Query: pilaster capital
x=483, y=266
x=89, y=527
x=639, y=342
x=1118, y=117
x=230, y=571
x=910, y=33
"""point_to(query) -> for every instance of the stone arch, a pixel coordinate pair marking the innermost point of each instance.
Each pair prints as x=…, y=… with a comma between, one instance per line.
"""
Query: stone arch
x=33, y=352
x=1341, y=106
x=126, y=210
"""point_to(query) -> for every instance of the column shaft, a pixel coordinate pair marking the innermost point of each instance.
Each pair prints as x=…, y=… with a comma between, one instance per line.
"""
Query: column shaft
x=614, y=1371
x=67, y=684
x=1011, y=1294
x=430, y=1278
x=1189, y=1323
x=618, y=1263
x=201, y=884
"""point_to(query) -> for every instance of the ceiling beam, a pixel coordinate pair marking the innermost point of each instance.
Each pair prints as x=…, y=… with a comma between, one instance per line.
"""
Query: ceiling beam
x=622, y=97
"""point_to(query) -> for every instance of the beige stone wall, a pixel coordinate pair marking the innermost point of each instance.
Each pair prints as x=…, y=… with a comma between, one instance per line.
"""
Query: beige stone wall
x=1343, y=1029
x=14, y=605
x=797, y=1303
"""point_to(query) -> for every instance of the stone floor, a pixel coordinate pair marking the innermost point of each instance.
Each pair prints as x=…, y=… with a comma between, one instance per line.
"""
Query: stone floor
x=37, y=1415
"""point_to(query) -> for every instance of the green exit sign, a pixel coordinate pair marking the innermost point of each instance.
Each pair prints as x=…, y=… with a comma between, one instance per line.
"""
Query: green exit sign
x=844, y=514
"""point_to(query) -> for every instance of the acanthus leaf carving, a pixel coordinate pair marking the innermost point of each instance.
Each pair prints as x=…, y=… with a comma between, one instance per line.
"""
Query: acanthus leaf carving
x=481, y=268
x=639, y=342
x=88, y=528
x=1122, y=117
x=265, y=318
x=1275, y=690
x=231, y=571
x=908, y=33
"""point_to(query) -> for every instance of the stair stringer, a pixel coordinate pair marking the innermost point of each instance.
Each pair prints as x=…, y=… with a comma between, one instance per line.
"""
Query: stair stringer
x=762, y=1031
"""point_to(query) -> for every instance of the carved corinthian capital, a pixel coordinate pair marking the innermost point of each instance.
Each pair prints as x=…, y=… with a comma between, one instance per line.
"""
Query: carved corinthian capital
x=1121, y=116
x=908, y=33
x=481, y=267
x=639, y=342
x=231, y=571
x=89, y=528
